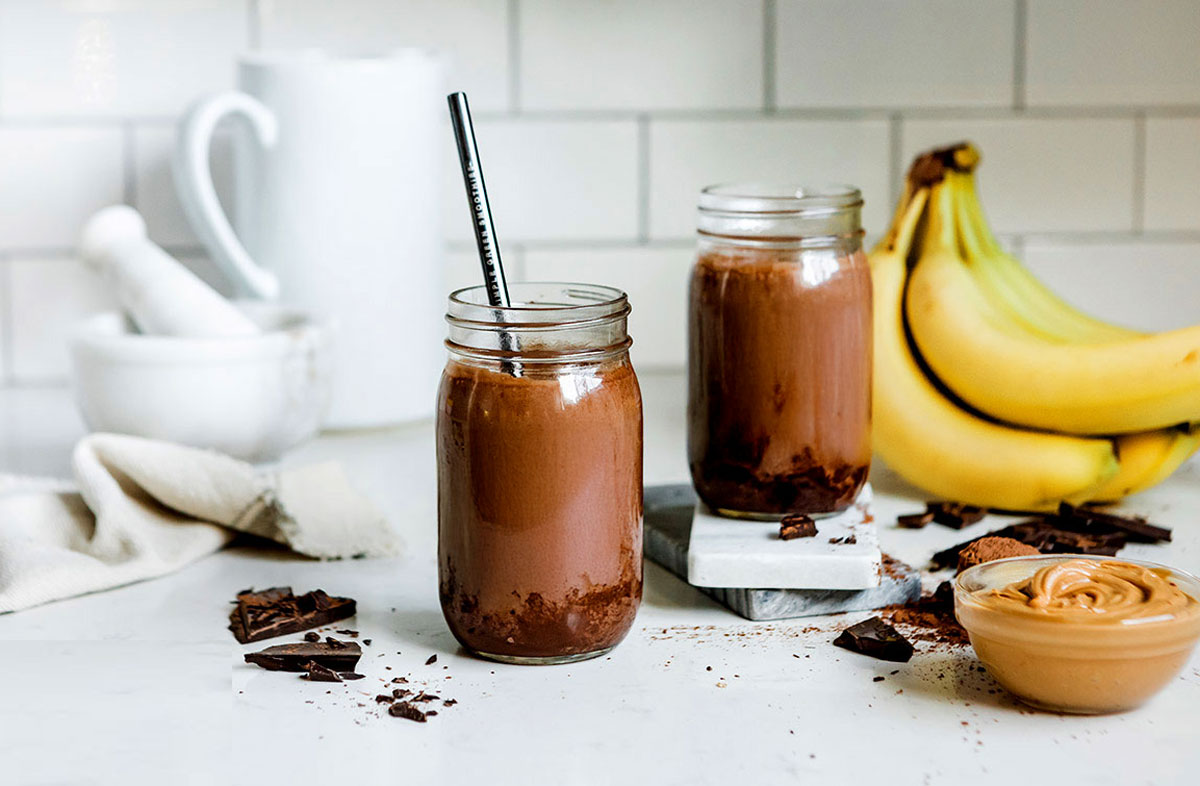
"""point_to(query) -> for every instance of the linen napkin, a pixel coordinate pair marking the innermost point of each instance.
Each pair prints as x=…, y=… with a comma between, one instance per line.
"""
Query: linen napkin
x=140, y=508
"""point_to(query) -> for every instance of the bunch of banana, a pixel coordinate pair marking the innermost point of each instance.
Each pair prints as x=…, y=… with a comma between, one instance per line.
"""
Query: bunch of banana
x=990, y=389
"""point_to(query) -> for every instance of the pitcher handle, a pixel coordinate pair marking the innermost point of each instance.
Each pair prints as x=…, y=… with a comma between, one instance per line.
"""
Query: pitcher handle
x=194, y=185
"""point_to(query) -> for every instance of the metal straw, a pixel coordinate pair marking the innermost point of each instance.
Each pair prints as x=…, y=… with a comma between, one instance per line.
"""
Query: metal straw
x=481, y=214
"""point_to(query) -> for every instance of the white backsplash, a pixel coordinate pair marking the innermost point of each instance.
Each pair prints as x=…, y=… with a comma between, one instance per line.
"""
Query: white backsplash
x=599, y=119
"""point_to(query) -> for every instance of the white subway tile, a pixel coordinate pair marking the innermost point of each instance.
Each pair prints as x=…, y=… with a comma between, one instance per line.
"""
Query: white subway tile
x=140, y=57
x=1144, y=285
x=49, y=299
x=685, y=156
x=52, y=179
x=1042, y=174
x=551, y=180
x=875, y=53
x=627, y=54
x=5, y=318
x=154, y=184
x=656, y=281
x=1082, y=52
x=1172, y=173
x=472, y=32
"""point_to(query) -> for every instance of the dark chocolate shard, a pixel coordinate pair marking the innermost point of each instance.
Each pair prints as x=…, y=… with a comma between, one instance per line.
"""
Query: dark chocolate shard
x=1136, y=528
x=297, y=656
x=318, y=673
x=914, y=520
x=403, y=709
x=312, y=636
x=277, y=611
x=432, y=660
x=384, y=699
x=400, y=693
x=955, y=515
x=876, y=638
x=796, y=525
x=351, y=675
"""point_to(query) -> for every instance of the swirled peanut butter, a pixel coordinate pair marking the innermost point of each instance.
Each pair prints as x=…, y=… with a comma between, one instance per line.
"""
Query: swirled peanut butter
x=1091, y=593
x=1079, y=635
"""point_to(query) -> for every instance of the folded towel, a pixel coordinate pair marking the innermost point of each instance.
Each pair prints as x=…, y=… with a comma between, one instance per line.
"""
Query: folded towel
x=141, y=508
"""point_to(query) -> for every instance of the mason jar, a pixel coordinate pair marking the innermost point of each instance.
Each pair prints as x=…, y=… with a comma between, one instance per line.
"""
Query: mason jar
x=779, y=351
x=539, y=462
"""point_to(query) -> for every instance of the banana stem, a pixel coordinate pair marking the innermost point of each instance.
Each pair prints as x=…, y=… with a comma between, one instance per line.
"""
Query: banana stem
x=939, y=234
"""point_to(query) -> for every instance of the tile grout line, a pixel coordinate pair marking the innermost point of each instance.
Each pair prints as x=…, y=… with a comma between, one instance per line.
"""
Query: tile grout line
x=643, y=179
x=1139, y=174
x=129, y=168
x=1020, y=53
x=253, y=25
x=769, y=56
x=513, y=22
x=895, y=152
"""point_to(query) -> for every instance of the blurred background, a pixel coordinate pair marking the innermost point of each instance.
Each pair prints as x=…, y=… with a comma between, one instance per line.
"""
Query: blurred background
x=598, y=120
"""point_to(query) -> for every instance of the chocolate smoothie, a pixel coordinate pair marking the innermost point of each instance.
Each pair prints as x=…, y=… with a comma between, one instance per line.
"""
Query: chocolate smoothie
x=540, y=507
x=779, y=378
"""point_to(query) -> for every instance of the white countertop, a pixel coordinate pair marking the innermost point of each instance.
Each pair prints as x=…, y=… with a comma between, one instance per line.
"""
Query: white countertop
x=145, y=685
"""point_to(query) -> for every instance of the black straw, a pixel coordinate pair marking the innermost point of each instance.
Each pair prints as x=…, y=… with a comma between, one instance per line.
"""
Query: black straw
x=477, y=200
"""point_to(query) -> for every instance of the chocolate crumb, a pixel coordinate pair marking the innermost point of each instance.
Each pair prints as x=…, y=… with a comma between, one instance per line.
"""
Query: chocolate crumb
x=432, y=660
x=877, y=679
x=312, y=636
x=405, y=710
x=367, y=642
x=399, y=680
x=383, y=698
x=318, y=673
x=914, y=520
x=796, y=525
x=332, y=642
x=449, y=702
x=849, y=540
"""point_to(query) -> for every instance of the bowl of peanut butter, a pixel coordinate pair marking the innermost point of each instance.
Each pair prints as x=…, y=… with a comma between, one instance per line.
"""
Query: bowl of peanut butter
x=1079, y=634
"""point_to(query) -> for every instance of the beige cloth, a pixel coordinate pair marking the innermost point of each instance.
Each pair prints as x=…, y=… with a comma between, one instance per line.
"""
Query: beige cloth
x=141, y=509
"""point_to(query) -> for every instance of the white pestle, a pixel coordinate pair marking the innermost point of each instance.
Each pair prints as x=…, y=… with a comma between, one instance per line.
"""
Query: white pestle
x=161, y=295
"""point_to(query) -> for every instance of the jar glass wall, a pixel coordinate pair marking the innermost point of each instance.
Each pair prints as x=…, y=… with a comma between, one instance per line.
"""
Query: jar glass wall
x=779, y=351
x=539, y=454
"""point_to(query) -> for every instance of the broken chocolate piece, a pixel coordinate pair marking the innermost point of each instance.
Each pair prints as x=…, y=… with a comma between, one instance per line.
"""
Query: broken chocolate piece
x=384, y=699
x=1136, y=528
x=400, y=693
x=400, y=680
x=796, y=525
x=312, y=636
x=403, y=709
x=449, y=702
x=914, y=520
x=432, y=660
x=351, y=675
x=276, y=612
x=1050, y=535
x=876, y=638
x=318, y=673
x=297, y=656
x=955, y=515
x=367, y=642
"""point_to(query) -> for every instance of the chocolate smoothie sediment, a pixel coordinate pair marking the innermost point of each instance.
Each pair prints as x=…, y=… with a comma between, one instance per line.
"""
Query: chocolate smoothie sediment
x=779, y=379
x=540, y=508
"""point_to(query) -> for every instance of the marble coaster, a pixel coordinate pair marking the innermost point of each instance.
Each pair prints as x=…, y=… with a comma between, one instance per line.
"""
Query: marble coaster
x=843, y=555
x=669, y=512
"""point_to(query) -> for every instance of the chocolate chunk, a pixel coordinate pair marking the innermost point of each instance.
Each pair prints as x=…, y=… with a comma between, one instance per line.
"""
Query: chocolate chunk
x=876, y=638
x=423, y=697
x=400, y=693
x=276, y=612
x=351, y=675
x=432, y=660
x=796, y=525
x=312, y=636
x=914, y=520
x=384, y=699
x=334, y=643
x=449, y=702
x=1136, y=528
x=318, y=673
x=367, y=642
x=297, y=656
x=955, y=515
x=399, y=680
x=403, y=709
x=877, y=679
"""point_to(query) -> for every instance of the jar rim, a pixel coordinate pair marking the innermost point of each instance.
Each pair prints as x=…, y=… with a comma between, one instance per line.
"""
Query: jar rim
x=777, y=198
x=557, y=303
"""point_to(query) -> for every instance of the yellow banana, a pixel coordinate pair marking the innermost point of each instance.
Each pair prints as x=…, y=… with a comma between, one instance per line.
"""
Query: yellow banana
x=1135, y=384
x=1015, y=287
x=1146, y=459
x=947, y=451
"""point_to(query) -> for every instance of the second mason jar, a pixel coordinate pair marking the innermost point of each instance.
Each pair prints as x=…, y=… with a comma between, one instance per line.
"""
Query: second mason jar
x=779, y=351
x=539, y=460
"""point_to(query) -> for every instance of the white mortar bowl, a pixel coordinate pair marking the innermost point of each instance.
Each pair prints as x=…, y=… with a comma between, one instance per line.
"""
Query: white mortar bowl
x=250, y=397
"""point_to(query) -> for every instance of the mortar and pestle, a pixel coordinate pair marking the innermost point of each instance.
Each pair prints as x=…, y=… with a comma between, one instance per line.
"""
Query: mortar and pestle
x=183, y=364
